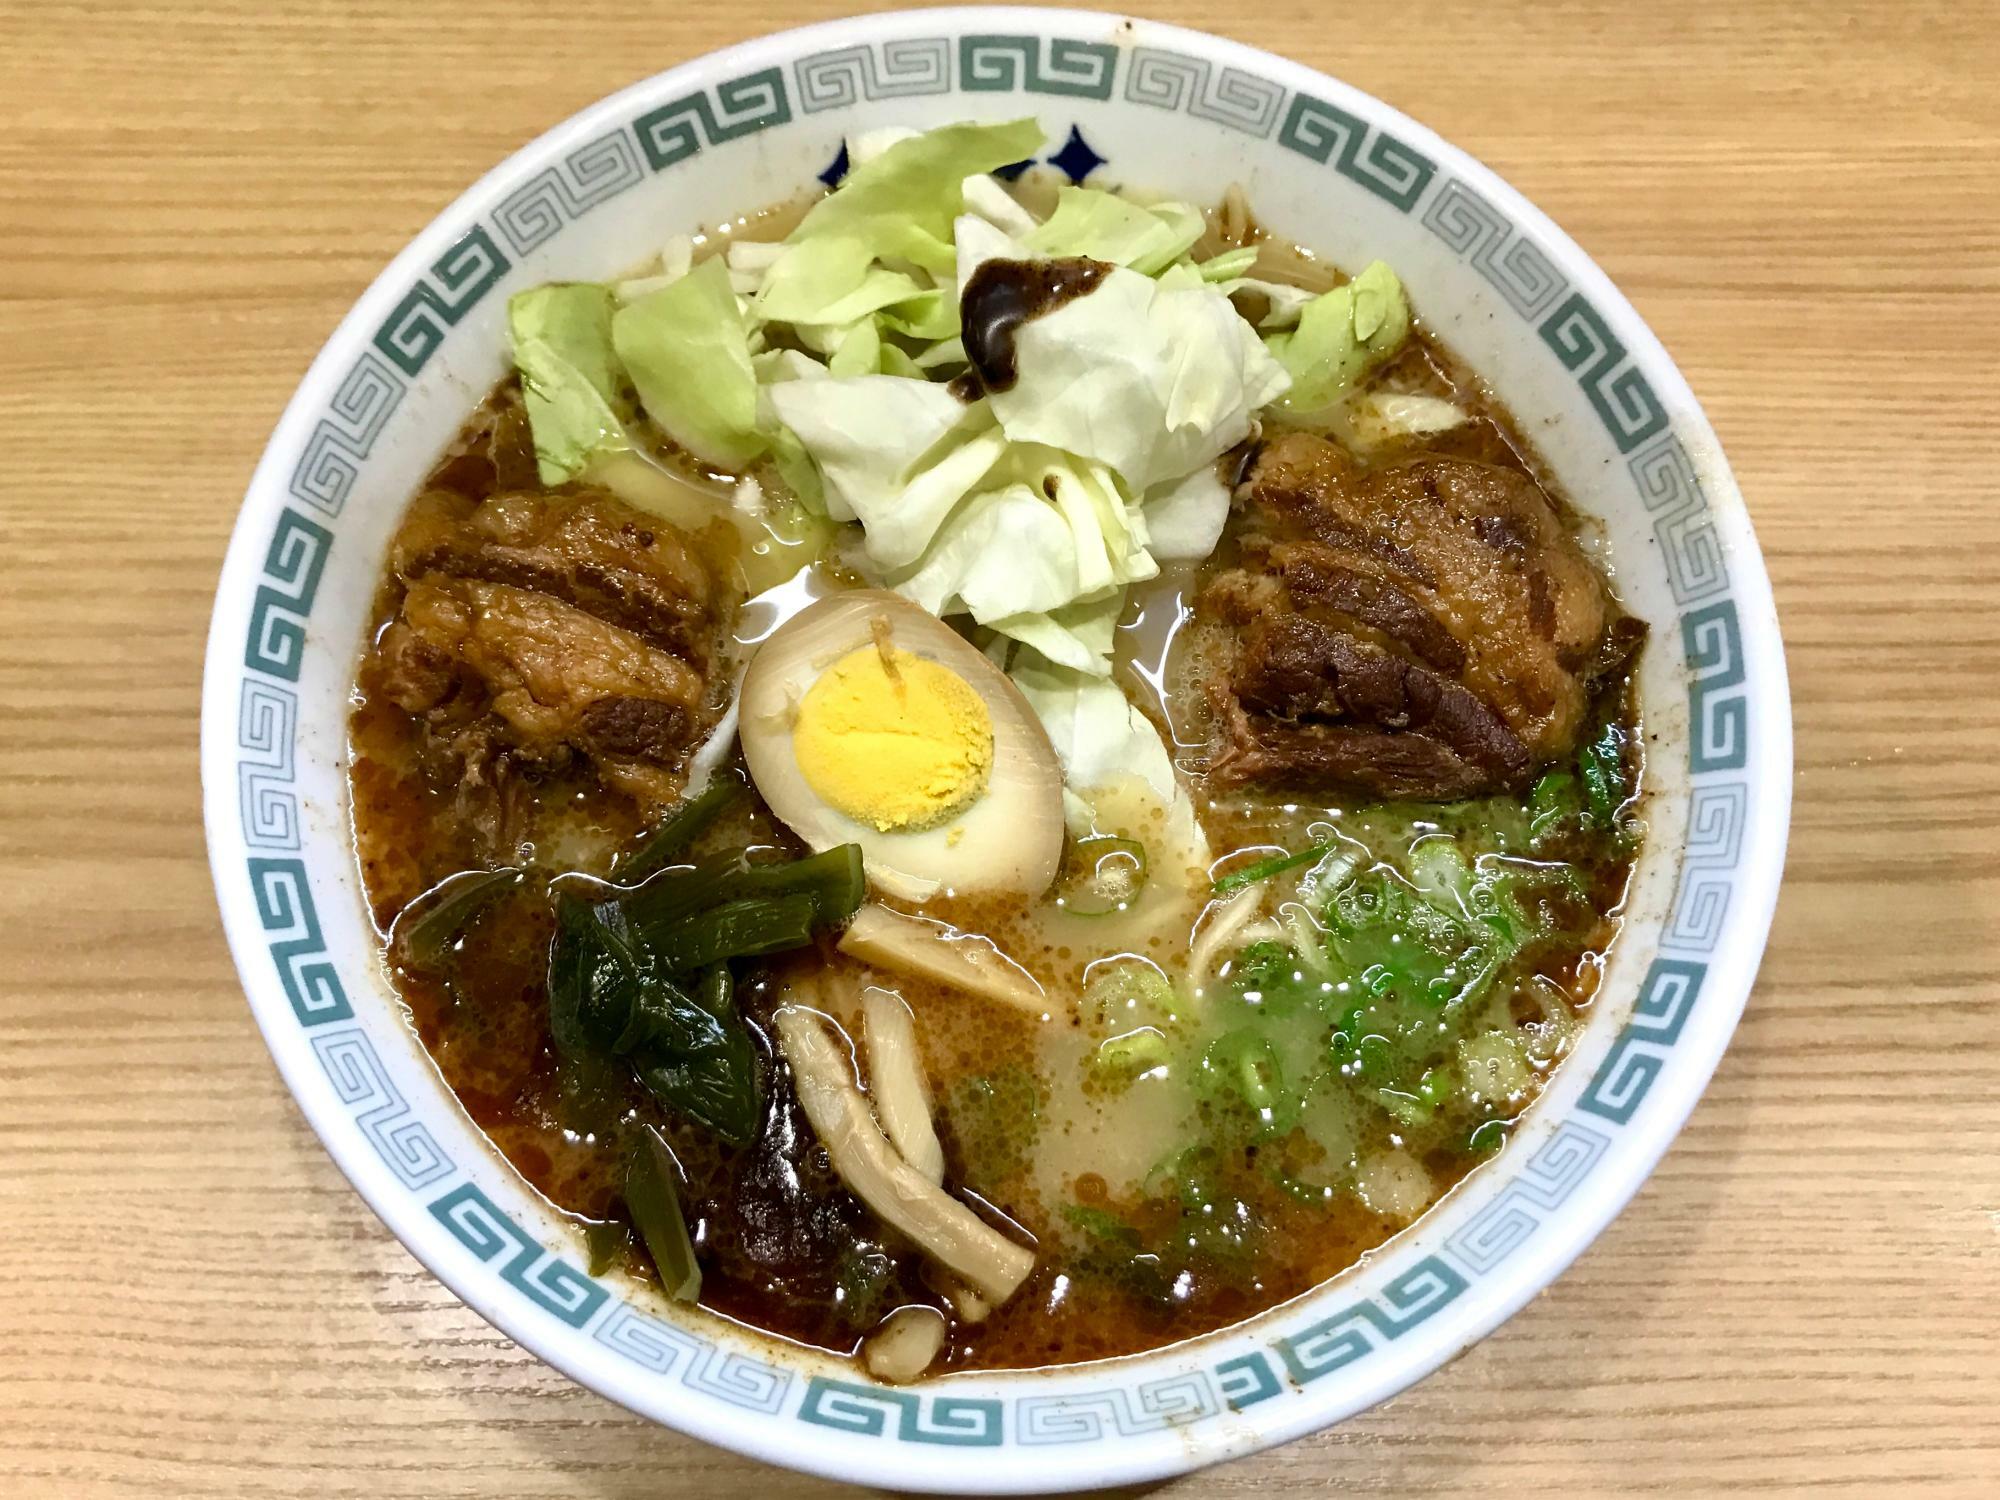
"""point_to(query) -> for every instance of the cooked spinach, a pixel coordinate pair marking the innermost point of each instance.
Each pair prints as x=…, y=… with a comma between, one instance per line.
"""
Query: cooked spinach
x=597, y=979
x=610, y=994
x=747, y=928
x=663, y=844
x=833, y=883
x=608, y=1241
x=642, y=973
x=702, y=1060
x=653, y=1198
x=1607, y=781
x=422, y=940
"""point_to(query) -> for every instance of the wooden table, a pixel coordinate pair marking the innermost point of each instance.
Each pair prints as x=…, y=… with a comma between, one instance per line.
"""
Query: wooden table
x=1803, y=204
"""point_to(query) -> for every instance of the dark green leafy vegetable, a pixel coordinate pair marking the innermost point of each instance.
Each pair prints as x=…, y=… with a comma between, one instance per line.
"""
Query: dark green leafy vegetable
x=653, y=1197
x=704, y=1064
x=1607, y=767
x=597, y=979
x=621, y=972
x=608, y=1242
x=664, y=844
x=590, y=1092
x=610, y=995
x=833, y=882
x=442, y=912
x=680, y=889
x=863, y=1277
x=1601, y=765
x=737, y=929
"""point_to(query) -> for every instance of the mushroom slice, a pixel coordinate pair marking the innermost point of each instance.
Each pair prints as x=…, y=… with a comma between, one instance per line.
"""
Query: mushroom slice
x=904, y=1346
x=931, y=950
x=1220, y=922
x=897, y=1192
x=896, y=1080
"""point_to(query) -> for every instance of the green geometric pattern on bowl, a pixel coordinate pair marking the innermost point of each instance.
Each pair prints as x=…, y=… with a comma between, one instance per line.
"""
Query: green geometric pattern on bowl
x=1528, y=281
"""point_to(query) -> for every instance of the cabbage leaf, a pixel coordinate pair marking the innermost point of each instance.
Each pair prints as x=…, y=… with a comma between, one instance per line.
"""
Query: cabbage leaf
x=877, y=440
x=1107, y=227
x=1229, y=265
x=1184, y=517
x=1007, y=552
x=571, y=382
x=1341, y=336
x=1104, y=743
x=900, y=204
x=1387, y=416
x=1148, y=378
x=688, y=353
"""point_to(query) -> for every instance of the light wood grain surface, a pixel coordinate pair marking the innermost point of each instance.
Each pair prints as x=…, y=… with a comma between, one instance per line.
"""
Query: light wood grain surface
x=1804, y=203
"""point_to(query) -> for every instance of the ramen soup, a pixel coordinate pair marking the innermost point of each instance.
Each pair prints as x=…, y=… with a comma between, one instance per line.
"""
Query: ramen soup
x=982, y=775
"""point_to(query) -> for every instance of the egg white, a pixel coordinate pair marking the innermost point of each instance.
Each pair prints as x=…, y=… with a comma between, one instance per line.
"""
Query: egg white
x=1008, y=839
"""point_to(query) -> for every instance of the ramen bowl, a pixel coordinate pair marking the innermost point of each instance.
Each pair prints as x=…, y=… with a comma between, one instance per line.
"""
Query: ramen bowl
x=1124, y=101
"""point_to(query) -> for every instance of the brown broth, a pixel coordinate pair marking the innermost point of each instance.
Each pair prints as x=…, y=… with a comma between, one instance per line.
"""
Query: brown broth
x=784, y=1246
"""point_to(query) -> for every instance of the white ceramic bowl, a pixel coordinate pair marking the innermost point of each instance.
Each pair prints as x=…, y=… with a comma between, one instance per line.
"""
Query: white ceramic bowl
x=1169, y=110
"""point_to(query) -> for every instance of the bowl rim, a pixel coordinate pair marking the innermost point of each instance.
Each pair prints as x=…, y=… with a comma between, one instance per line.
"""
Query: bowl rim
x=938, y=1469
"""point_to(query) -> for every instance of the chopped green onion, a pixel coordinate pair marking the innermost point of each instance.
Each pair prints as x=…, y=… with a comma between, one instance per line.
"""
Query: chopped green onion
x=1550, y=791
x=1112, y=872
x=1553, y=798
x=1248, y=1065
x=1265, y=869
x=1489, y=1135
x=1101, y=1224
x=653, y=1196
x=1412, y=1109
x=1124, y=1058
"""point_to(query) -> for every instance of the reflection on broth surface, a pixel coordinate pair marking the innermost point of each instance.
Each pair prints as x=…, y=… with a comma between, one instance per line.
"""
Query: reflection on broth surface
x=1333, y=890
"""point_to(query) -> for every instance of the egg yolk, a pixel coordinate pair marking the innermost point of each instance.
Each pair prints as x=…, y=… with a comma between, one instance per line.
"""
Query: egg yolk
x=893, y=740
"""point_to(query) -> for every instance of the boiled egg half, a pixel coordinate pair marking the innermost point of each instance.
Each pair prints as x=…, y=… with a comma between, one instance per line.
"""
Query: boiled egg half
x=865, y=719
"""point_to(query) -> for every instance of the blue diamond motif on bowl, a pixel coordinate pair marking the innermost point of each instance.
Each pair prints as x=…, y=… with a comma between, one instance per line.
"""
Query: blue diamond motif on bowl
x=1076, y=159
x=1013, y=169
x=836, y=169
